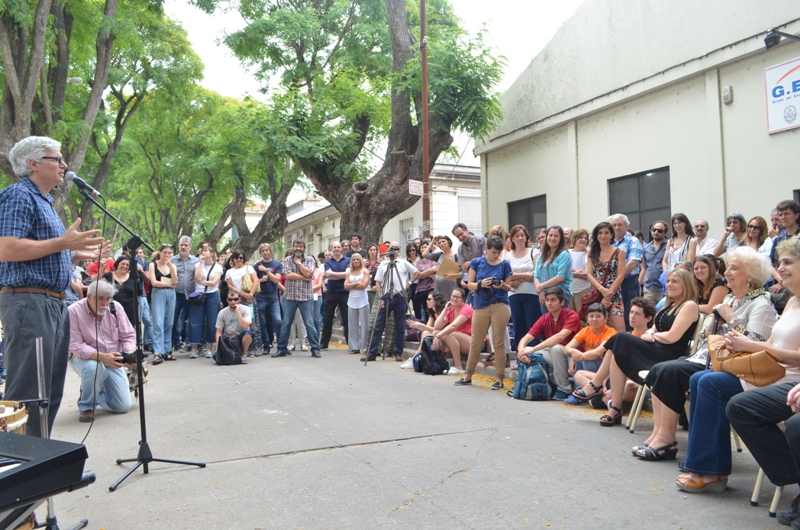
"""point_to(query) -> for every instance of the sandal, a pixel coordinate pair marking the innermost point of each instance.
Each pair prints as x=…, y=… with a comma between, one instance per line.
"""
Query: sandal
x=157, y=359
x=638, y=450
x=691, y=484
x=607, y=420
x=168, y=357
x=667, y=452
x=580, y=394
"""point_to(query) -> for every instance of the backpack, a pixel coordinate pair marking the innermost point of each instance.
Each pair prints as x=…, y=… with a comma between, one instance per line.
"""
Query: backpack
x=433, y=361
x=417, y=362
x=533, y=380
x=229, y=351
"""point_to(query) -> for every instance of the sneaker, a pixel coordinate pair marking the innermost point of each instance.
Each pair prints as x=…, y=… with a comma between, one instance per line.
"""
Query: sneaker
x=195, y=354
x=316, y=355
x=788, y=518
x=208, y=354
x=462, y=382
x=279, y=354
x=560, y=395
x=244, y=359
x=497, y=385
x=256, y=352
x=453, y=370
x=409, y=363
x=572, y=400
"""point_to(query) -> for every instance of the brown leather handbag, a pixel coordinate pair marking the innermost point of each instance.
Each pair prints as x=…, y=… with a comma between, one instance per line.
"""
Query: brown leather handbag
x=760, y=368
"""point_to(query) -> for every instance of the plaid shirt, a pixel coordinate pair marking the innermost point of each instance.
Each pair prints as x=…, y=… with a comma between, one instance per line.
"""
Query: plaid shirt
x=633, y=251
x=25, y=213
x=299, y=290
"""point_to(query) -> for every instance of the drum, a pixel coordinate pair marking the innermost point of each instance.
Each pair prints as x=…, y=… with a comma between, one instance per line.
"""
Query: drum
x=13, y=417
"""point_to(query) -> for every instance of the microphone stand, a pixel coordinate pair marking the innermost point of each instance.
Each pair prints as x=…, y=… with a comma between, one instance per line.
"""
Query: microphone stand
x=145, y=455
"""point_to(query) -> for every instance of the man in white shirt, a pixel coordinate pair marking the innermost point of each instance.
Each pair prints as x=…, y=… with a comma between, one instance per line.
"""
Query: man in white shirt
x=705, y=245
x=391, y=279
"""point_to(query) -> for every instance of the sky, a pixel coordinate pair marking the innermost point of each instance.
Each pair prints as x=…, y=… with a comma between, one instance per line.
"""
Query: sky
x=518, y=30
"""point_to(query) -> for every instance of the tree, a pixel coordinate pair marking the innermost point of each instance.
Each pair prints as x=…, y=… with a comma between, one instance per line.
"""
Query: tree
x=189, y=169
x=349, y=77
x=24, y=33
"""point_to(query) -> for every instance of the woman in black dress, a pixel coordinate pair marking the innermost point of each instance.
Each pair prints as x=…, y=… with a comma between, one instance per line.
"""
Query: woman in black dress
x=668, y=339
x=122, y=281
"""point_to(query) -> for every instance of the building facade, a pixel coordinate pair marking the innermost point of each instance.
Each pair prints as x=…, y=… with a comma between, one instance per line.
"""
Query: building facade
x=647, y=108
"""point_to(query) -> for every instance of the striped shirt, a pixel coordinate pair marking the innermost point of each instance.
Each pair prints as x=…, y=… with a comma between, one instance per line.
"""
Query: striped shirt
x=299, y=290
x=26, y=213
x=633, y=251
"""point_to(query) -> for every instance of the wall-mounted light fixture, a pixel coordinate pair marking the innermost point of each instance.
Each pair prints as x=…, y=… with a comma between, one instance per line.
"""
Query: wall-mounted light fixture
x=774, y=36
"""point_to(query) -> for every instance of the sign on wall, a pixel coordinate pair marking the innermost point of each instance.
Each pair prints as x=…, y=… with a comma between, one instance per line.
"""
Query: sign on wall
x=783, y=95
x=415, y=187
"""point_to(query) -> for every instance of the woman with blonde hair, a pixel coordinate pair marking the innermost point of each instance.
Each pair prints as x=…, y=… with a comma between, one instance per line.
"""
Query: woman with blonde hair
x=668, y=339
x=356, y=282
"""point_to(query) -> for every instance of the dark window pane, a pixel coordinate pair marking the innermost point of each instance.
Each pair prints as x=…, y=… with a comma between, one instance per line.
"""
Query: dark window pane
x=531, y=213
x=644, y=198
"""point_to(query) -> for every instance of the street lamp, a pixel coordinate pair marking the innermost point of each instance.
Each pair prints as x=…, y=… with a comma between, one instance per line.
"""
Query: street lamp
x=773, y=38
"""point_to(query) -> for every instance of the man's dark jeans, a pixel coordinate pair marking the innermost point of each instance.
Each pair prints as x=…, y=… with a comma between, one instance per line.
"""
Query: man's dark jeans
x=397, y=306
x=332, y=301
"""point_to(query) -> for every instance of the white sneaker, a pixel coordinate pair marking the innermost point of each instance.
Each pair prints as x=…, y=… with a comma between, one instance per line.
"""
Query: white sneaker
x=456, y=371
x=409, y=363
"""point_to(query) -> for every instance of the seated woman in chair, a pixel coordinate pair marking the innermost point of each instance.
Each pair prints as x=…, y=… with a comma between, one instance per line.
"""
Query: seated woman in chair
x=708, y=458
x=747, y=309
x=667, y=340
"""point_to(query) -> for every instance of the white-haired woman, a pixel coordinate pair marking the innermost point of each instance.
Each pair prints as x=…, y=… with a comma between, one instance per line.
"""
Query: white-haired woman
x=747, y=309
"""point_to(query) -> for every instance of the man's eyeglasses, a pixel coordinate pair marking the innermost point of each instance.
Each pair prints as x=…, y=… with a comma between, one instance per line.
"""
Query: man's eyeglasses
x=754, y=227
x=657, y=230
x=58, y=159
x=233, y=299
x=700, y=226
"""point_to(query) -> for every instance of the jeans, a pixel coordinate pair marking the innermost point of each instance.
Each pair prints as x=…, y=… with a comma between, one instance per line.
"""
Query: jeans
x=269, y=318
x=525, y=312
x=306, y=308
x=332, y=301
x=318, y=304
x=398, y=306
x=630, y=290
x=101, y=385
x=709, y=451
x=162, y=309
x=25, y=317
x=147, y=321
x=206, y=312
x=179, y=327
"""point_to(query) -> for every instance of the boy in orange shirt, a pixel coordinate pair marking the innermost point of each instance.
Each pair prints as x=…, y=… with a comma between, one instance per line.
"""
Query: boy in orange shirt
x=591, y=340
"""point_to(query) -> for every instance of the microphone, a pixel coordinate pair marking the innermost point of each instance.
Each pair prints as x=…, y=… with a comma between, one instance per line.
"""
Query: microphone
x=71, y=176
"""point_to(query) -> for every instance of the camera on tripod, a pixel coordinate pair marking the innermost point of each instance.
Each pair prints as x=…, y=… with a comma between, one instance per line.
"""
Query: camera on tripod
x=393, y=251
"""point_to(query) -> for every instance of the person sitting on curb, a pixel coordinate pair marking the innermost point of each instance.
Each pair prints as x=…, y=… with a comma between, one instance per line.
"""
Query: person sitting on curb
x=454, y=329
x=234, y=321
x=99, y=331
x=592, y=340
x=557, y=327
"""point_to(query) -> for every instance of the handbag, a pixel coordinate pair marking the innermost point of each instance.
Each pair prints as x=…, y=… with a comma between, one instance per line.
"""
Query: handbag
x=594, y=298
x=760, y=368
x=198, y=298
x=247, y=284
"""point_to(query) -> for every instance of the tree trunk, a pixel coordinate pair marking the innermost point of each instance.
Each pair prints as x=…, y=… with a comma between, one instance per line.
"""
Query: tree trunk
x=367, y=206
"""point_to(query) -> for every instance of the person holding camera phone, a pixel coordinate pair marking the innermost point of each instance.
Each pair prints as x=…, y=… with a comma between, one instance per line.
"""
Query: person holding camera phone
x=99, y=358
x=488, y=280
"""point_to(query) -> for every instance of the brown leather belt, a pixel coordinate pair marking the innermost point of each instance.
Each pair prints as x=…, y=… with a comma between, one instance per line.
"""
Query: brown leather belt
x=34, y=290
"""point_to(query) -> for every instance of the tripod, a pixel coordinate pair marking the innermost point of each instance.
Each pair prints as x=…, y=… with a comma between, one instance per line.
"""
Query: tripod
x=144, y=457
x=384, y=298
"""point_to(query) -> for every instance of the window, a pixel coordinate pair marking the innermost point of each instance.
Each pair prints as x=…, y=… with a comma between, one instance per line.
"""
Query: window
x=530, y=213
x=408, y=232
x=796, y=195
x=643, y=197
x=469, y=213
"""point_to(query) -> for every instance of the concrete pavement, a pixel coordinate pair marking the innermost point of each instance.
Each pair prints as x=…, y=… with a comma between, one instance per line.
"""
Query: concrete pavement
x=298, y=442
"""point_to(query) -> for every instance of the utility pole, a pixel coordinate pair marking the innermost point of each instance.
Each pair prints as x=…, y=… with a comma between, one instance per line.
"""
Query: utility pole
x=426, y=185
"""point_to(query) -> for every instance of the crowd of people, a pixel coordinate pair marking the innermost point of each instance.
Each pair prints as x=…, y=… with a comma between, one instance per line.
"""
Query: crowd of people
x=607, y=310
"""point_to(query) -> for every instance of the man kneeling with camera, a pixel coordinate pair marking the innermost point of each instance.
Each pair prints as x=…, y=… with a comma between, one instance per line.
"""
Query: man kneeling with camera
x=99, y=335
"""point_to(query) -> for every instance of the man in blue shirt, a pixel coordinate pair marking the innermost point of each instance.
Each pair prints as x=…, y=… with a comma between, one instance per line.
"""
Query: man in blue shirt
x=652, y=267
x=184, y=263
x=36, y=256
x=633, y=256
x=337, y=295
x=268, y=304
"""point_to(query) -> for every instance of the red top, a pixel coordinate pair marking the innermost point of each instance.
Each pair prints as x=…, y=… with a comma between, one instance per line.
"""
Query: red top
x=467, y=311
x=546, y=327
x=93, y=266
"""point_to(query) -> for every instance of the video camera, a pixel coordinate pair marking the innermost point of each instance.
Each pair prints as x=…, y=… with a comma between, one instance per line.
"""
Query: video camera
x=393, y=251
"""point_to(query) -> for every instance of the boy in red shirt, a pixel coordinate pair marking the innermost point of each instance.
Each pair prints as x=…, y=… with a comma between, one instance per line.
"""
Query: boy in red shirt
x=556, y=328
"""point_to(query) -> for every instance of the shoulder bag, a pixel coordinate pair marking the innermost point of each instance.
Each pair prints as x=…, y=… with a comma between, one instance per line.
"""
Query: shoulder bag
x=198, y=298
x=760, y=368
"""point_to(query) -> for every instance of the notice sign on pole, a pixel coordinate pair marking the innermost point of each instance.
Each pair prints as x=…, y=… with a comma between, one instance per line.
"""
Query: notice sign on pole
x=415, y=187
x=783, y=95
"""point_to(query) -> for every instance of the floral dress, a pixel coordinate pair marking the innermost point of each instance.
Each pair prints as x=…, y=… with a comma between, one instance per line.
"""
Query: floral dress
x=605, y=272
